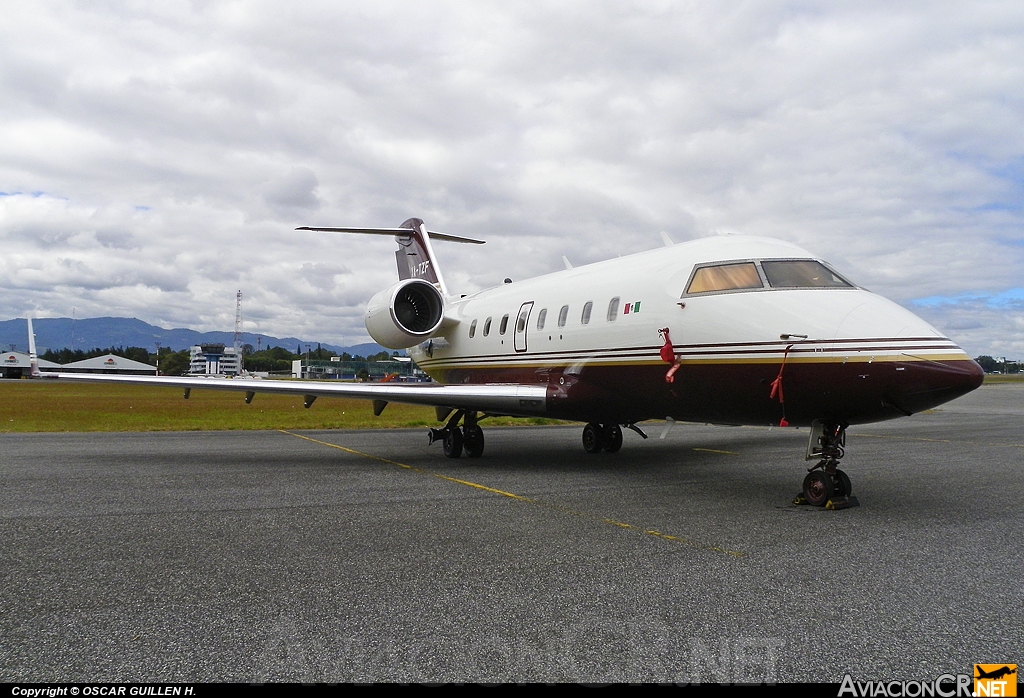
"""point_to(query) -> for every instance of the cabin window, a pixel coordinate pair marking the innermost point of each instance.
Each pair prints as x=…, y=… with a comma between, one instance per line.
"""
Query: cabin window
x=504, y=324
x=472, y=329
x=585, y=316
x=613, y=309
x=563, y=315
x=521, y=321
x=487, y=327
x=802, y=273
x=725, y=277
x=542, y=317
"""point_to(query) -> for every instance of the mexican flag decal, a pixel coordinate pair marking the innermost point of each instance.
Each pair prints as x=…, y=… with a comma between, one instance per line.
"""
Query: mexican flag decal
x=631, y=308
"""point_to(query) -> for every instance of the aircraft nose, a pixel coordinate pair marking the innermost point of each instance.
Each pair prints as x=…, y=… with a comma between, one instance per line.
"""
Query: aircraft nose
x=922, y=385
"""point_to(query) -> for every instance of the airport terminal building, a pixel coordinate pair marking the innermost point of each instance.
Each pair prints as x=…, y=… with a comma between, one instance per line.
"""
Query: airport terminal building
x=214, y=360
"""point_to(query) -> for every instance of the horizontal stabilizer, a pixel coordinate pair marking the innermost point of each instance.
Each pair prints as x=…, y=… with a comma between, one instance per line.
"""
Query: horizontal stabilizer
x=393, y=231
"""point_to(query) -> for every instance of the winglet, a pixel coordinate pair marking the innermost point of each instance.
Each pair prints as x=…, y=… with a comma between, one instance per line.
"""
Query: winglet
x=33, y=360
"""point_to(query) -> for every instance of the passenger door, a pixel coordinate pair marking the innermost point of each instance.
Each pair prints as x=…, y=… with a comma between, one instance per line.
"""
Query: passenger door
x=523, y=325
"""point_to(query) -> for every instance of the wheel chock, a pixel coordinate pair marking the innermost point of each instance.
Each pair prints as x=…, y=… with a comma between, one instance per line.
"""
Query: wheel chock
x=832, y=504
x=842, y=503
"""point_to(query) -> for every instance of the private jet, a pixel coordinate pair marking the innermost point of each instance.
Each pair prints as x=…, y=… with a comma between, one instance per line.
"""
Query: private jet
x=732, y=330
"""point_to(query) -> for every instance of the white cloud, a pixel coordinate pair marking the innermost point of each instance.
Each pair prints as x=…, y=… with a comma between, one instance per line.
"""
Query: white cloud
x=177, y=146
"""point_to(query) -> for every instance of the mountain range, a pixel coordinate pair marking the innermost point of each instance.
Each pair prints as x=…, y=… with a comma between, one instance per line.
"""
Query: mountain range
x=103, y=332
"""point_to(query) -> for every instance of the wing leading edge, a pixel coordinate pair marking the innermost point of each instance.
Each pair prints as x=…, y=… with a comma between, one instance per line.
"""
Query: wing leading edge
x=506, y=399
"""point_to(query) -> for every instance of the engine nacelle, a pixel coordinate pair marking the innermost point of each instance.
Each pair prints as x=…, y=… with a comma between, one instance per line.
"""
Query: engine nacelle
x=405, y=314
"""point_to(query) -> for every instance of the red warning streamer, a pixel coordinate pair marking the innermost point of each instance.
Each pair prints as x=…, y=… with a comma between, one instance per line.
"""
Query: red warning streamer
x=668, y=355
x=777, y=388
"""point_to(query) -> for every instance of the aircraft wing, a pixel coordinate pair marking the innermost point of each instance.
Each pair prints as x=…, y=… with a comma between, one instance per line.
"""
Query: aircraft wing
x=506, y=399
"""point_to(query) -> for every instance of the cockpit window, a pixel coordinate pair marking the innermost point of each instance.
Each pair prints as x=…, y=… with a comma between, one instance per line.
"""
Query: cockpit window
x=802, y=273
x=725, y=277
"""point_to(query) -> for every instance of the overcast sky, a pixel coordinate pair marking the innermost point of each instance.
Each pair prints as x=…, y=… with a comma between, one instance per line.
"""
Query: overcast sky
x=155, y=157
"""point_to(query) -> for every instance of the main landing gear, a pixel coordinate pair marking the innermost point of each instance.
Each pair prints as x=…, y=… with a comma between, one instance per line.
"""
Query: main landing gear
x=602, y=437
x=826, y=485
x=605, y=437
x=455, y=439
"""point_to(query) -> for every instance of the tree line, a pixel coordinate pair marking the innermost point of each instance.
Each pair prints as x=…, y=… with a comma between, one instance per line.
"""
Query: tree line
x=1001, y=365
x=176, y=363
x=67, y=356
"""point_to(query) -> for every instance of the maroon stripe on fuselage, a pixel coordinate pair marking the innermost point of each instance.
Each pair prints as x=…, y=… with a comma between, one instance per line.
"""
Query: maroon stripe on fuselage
x=738, y=393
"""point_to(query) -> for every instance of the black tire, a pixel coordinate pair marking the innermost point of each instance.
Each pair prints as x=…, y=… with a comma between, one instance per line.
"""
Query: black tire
x=592, y=438
x=612, y=438
x=818, y=488
x=473, y=441
x=453, y=443
x=844, y=488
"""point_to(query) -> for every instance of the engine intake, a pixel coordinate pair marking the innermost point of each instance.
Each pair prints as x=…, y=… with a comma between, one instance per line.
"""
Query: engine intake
x=405, y=314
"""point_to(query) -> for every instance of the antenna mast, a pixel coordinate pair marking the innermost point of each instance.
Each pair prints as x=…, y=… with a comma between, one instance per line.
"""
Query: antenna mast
x=238, y=319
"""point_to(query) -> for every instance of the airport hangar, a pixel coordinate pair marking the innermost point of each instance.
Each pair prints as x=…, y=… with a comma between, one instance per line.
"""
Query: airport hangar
x=15, y=364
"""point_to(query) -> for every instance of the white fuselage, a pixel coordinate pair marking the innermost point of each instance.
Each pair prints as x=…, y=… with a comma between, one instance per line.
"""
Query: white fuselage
x=632, y=298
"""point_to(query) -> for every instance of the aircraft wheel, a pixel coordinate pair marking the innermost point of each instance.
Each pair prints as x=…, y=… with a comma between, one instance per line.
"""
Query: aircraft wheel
x=844, y=488
x=592, y=438
x=473, y=441
x=612, y=438
x=818, y=488
x=453, y=443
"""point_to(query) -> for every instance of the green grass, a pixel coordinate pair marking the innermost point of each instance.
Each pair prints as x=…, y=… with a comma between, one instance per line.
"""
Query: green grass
x=1009, y=378
x=36, y=405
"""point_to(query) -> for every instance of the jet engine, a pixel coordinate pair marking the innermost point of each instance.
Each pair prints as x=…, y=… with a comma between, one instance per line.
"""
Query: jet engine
x=405, y=314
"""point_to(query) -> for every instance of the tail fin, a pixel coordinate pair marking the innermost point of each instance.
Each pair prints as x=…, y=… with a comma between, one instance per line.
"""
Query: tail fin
x=33, y=360
x=415, y=256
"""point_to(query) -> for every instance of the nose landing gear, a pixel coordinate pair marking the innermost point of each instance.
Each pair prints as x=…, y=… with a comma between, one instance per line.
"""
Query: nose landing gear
x=825, y=484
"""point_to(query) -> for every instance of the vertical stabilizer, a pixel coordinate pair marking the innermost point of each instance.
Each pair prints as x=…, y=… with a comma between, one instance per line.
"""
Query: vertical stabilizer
x=415, y=256
x=33, y=360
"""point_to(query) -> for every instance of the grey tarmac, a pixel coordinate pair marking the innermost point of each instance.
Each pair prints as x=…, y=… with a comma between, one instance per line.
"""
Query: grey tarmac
x=270, y=556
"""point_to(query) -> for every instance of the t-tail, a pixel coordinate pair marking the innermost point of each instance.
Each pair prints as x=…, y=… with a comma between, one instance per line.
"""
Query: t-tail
x=411, y=311
x=415, y=255
x=33, y=360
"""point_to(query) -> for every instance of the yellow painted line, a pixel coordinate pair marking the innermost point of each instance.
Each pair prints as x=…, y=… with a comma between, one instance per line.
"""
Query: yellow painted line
x=939, y=441
x=510, y=495
x=613, y=522
x=407, y=467
x=715, y=450
x=478, y=486
x=349, y=450
x=904, y=438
